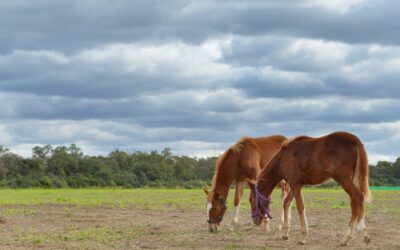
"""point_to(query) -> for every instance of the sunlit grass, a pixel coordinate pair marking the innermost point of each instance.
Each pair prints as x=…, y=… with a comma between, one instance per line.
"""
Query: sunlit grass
x=176, y=199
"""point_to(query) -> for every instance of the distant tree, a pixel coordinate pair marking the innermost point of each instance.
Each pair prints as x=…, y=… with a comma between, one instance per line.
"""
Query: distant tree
x=67, y=166
x=121, y=158
x=42, y=155
x=3, y=168
x=75, y=151
x=42, y=152
x=3, y=150
x=167, y=153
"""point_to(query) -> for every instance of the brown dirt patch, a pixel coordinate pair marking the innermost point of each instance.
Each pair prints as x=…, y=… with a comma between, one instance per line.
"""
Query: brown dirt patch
x=72, y=227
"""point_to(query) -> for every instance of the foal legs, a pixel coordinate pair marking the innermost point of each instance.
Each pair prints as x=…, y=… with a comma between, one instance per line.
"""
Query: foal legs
x=287, y=214
x=361, y=227
x=284, y=195
x=300, y=208
x=266, y=225
x=357, y=211
x=238, y=197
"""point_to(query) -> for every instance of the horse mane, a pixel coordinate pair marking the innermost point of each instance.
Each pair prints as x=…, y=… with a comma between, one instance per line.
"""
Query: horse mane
x=286, y=143
x=236, y=148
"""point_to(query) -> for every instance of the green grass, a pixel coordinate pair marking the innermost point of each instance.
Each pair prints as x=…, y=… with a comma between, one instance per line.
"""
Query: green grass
x=175, y=199
x=12, y=212
x=104, y=235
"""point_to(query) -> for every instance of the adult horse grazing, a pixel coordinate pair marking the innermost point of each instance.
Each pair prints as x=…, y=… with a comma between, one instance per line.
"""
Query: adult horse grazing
x=308, y=161
x=241, y=162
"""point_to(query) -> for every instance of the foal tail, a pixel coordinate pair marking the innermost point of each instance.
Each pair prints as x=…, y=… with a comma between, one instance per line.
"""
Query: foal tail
x=360, y=178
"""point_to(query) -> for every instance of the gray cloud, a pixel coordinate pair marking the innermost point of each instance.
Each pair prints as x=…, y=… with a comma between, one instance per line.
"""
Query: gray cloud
x=70, y=26
x=143, y=75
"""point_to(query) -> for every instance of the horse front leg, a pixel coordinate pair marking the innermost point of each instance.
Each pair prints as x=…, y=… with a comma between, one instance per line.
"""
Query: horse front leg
x=266, y=225
x=285, y=193
x=238, y=198
x=287, y=215
x=303, y=220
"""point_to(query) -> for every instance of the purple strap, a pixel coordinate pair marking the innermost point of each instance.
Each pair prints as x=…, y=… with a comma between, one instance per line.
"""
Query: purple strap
x=263, y=202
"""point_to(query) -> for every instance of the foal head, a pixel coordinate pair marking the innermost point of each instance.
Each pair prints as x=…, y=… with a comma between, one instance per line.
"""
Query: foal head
x=259, y=206
x=215, y=210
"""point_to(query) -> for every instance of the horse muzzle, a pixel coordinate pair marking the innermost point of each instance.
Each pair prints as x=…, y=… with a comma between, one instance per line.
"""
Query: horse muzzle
x=212, y=228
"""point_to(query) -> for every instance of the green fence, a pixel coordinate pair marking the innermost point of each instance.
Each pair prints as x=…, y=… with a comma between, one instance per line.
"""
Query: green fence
x=383, y=188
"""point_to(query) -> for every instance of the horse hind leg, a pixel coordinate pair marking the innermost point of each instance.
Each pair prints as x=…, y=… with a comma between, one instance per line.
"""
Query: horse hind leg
x=238, y=197
x=361, y=227
x=357, y=207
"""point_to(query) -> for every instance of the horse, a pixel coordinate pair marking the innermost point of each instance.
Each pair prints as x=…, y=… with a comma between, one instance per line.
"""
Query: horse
x=309, y=161
x=241, y=162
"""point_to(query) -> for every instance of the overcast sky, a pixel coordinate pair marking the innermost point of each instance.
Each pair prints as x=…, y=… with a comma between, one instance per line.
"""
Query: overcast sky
x=196, y=76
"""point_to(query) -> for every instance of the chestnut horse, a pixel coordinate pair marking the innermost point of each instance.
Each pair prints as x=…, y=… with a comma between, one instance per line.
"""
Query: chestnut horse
x=309, y=161
x=241, y=162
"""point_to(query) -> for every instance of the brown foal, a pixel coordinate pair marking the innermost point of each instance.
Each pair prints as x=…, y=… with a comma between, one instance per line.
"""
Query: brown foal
x=309, y=161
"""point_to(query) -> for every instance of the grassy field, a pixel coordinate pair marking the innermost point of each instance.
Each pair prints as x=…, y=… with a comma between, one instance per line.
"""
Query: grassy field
x=174, y=219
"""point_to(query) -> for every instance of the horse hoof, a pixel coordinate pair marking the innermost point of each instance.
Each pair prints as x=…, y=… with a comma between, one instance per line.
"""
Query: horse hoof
x=367, y=239
x=285, y=237
x=302, y=242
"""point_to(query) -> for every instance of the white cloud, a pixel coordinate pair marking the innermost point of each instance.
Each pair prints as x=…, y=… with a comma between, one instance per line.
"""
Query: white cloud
x=322, y=54
x=4, y=135
x=341, y=6
x=194, y=62
x=51, y=56
x=374, y=158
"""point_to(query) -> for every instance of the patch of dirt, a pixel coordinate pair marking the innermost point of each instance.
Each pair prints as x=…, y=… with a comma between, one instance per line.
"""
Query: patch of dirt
x=145, y=229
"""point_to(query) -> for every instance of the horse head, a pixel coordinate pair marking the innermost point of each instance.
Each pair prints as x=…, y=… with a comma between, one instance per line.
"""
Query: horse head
x=260, y=204
x=216, y=208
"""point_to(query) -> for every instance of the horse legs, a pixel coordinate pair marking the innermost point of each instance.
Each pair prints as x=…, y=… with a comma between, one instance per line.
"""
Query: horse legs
x=285, y=189
x=300, y=208
x=357, y=210
x=238, y=197
x=287, y=214
x=285, y=193
x=266, y=225
x=361, y=226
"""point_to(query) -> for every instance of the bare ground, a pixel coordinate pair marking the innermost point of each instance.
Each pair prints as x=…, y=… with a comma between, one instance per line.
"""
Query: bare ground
x=102, y=227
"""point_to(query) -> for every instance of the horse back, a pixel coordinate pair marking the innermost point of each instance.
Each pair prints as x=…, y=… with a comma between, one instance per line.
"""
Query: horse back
x=318, y=159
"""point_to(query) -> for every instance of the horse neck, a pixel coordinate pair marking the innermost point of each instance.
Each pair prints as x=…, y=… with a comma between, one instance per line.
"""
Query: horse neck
x=225, y=174
x=270, y=177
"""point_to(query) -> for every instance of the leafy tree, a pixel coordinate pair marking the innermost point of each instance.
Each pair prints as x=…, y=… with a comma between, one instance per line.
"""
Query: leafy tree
x=67, y=166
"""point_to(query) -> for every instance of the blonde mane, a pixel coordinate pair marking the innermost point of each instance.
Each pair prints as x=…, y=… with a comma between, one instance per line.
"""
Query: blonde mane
x=236, y=148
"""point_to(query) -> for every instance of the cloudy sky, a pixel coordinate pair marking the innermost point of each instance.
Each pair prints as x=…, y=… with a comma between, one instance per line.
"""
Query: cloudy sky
x=196, y=76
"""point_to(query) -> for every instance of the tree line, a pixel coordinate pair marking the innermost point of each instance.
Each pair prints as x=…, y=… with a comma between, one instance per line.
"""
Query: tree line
x=67, y=166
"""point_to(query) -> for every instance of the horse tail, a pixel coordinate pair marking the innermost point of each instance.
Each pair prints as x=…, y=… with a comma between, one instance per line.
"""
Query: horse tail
x=360, y=178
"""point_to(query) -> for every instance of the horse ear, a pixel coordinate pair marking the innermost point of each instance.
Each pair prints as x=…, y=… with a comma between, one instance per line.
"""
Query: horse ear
x=206, y=191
